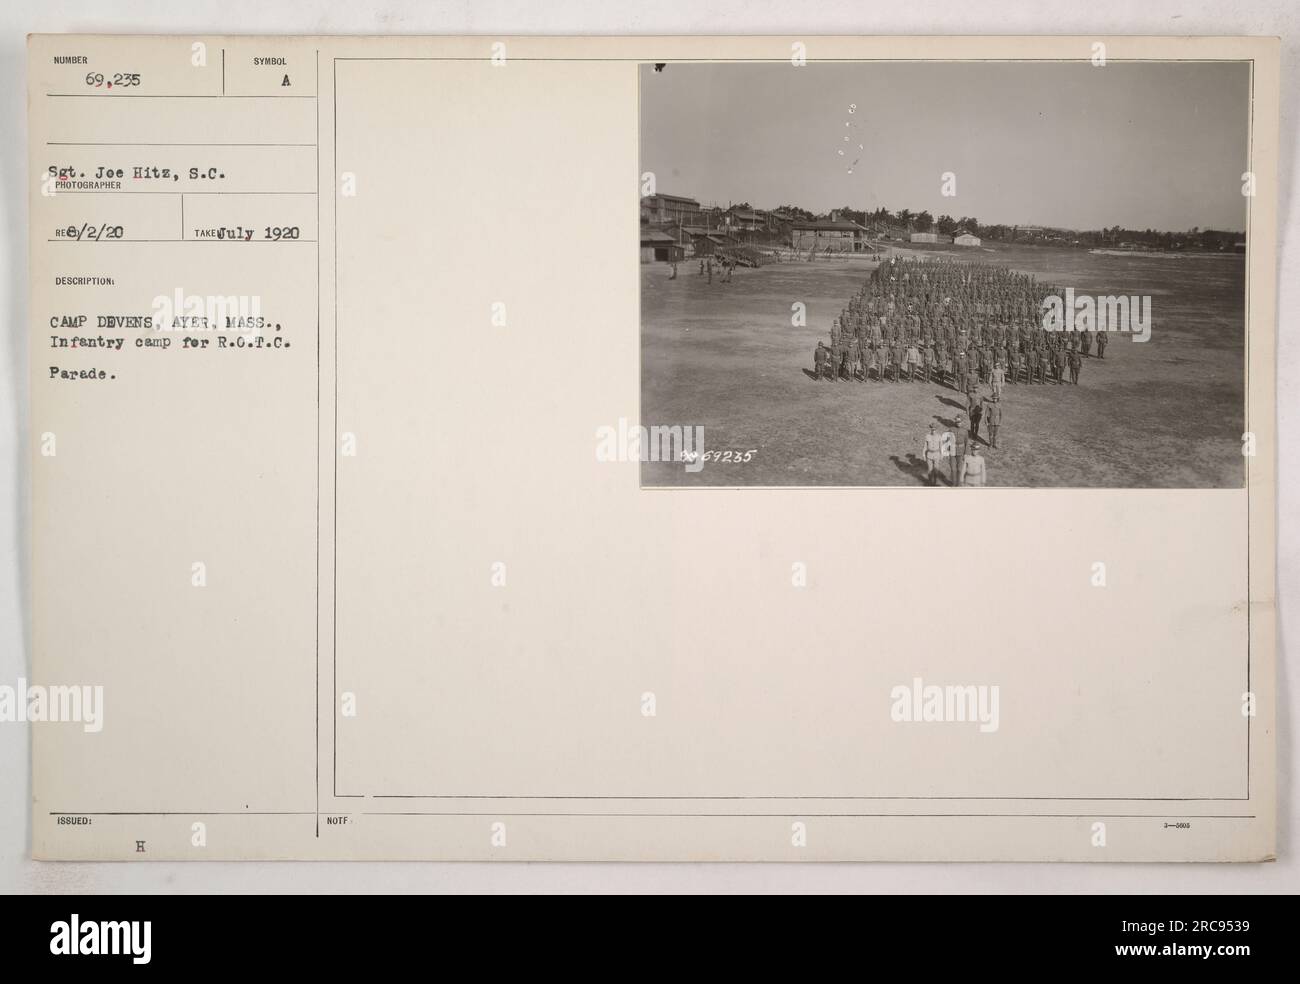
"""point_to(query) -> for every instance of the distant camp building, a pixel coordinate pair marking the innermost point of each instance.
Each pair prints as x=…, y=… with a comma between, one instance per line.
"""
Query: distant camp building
x=705, y=241
x=746, y=219
x=670, y=210
x=933, y=238
x=963, y=238
x=656, y=244
x=835, y=235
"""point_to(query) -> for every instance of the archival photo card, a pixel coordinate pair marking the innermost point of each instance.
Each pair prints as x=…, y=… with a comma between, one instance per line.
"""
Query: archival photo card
x=510, y=448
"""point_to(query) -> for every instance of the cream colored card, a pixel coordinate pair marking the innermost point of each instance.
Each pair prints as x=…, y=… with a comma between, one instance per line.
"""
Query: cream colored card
x=352, y=359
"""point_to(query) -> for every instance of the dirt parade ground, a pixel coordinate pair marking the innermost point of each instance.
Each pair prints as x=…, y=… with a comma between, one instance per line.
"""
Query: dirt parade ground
x=1166, y=413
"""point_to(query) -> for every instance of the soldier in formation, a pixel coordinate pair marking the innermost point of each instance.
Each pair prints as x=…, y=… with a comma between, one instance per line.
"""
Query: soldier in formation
x=944, y=320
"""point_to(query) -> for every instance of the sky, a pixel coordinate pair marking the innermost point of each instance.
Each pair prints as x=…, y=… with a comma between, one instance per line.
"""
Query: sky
x=1138, y=145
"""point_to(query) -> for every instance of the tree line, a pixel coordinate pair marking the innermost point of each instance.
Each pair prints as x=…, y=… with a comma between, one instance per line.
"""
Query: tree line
x=905, y=220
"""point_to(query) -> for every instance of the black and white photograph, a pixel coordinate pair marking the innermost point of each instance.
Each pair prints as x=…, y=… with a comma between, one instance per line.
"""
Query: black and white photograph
x=1023, y=274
